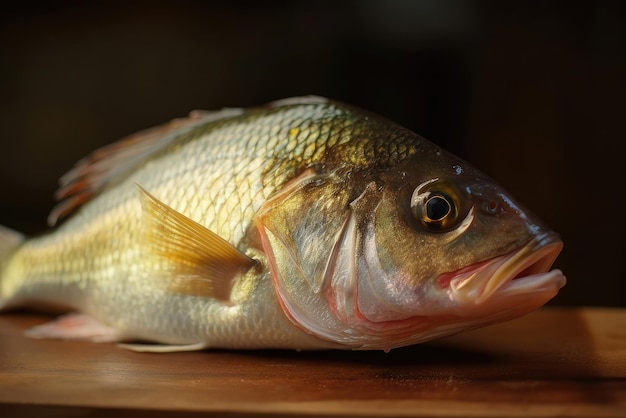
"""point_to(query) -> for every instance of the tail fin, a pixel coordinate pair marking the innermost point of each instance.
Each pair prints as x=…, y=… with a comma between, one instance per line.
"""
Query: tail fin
x=10, y=240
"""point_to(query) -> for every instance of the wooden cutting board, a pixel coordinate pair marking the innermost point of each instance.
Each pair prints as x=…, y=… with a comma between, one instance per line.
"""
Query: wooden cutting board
x=554, y=362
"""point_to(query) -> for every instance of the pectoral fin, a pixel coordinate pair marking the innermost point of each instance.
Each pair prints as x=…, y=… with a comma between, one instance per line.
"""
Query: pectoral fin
x=200, y=262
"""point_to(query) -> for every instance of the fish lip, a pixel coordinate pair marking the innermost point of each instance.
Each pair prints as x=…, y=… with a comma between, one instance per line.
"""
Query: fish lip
x=523, y=272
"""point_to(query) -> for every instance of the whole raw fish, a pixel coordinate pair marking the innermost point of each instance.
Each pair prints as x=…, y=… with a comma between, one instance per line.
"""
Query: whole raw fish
x=303, y=224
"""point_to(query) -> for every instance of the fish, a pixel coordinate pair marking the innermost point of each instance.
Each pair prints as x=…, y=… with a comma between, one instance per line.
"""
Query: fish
x=305, y=223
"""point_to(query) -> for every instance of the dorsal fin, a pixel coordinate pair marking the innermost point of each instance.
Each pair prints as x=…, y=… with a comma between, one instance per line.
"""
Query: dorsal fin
x=299, y=100
x=93, y=173
x=201, y=263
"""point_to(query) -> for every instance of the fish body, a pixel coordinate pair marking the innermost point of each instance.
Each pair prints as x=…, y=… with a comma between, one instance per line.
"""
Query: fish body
x=304, y=224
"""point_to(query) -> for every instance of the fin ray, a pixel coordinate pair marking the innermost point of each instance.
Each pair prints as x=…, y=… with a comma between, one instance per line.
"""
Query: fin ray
x=92, y=174
x=203, y=263
x=75, y=326
x=162, y=348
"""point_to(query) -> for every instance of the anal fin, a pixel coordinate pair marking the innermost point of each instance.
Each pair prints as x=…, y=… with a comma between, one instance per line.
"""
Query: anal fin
x=75, y=326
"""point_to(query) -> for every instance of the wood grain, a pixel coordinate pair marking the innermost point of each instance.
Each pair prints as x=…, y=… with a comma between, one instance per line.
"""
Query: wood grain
x=554, y=362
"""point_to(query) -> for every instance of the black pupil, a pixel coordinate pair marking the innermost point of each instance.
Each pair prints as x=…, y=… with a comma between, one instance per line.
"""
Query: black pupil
x=437, y=208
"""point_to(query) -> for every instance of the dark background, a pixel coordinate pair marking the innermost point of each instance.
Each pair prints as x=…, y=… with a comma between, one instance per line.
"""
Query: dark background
x=531, y=92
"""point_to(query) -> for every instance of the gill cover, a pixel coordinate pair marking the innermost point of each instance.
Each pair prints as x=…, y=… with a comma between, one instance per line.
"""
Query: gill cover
x=324, y=263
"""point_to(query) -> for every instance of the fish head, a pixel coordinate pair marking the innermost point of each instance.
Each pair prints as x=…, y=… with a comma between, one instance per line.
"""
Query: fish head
x=403, y=250
x=448, y=245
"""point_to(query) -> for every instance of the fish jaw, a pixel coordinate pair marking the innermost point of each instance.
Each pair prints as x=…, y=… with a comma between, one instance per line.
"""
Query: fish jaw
x=492, y=291
x=521, y=279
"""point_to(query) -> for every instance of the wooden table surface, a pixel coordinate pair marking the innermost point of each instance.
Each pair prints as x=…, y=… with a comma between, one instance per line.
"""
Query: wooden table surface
x=554, y=362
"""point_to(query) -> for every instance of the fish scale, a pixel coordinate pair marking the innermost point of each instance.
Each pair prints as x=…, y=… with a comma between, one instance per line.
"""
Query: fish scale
x=203, y=233
x=208, y=179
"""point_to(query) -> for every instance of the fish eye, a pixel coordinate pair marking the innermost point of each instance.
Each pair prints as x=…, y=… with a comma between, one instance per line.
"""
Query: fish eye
x=436, y=210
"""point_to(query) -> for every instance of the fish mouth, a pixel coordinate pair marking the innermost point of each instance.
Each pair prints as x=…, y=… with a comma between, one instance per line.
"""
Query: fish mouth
x=524, y=273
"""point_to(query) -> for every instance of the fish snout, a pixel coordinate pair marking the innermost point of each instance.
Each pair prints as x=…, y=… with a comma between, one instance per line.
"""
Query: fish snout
x=522, y=276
